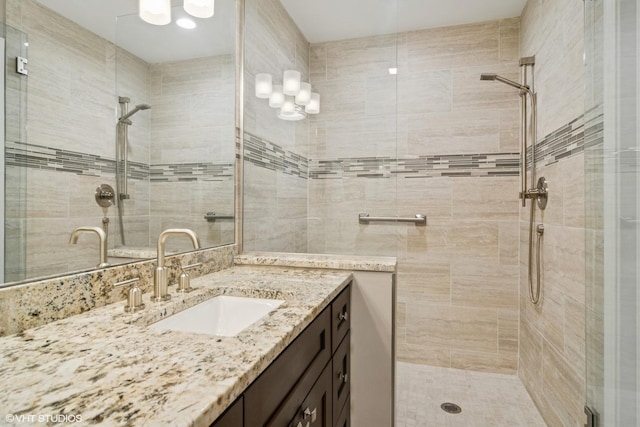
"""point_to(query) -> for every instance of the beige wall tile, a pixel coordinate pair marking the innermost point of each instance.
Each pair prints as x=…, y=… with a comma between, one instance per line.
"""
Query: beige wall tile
x=425, y=92
x=553, y=31
x=484, y=362
x=471, y=93
x=423, y=354
x=485, y=197
x=427, y=283
x=510, y=39
x=508, y=329
x=483, y=284
x=468, y=132
x=461, y=328
x=451, y=47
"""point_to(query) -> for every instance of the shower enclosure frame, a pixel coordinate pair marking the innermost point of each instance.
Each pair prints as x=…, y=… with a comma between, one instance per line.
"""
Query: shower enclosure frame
x=612, y=166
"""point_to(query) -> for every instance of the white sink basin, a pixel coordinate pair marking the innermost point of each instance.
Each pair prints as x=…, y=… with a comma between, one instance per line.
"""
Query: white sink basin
x=223, y=316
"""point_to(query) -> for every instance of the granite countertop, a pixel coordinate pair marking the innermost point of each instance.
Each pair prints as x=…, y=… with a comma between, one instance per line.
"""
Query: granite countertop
x=106, y=367
x=341, y=262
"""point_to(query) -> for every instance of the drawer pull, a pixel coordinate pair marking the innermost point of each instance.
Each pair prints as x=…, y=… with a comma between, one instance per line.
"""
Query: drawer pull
x=343, y=316
x=343, y=377
x=310, y=413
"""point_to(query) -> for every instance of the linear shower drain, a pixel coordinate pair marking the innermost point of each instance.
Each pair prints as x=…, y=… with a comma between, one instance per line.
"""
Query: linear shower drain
x=451, y=408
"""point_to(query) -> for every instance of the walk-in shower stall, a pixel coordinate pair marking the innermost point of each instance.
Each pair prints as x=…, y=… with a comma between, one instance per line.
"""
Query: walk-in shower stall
x=413, y=155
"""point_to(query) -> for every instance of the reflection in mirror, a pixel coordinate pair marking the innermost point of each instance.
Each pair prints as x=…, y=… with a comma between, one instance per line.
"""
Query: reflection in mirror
x=118, y=124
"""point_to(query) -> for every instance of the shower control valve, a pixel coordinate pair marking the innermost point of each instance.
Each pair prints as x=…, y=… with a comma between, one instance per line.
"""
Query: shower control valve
x=540, y=193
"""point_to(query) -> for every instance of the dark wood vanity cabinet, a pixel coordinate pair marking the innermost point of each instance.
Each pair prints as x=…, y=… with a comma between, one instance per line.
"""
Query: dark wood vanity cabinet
x=233, y=416
x=308, y=384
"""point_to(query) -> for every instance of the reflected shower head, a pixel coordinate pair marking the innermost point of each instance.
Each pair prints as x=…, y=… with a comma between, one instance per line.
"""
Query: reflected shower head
x=125, y=119
x=495, y=77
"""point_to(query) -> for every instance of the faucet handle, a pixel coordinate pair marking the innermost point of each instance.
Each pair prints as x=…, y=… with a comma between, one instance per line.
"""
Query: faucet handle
x=184, y=280
x=134, y=300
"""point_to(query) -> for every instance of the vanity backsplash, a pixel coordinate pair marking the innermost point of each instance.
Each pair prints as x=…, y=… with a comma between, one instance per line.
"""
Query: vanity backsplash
x=43, y=301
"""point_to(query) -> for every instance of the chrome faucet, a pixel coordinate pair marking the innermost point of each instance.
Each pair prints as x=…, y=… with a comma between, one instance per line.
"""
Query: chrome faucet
x=160, y=277
x=103, y=241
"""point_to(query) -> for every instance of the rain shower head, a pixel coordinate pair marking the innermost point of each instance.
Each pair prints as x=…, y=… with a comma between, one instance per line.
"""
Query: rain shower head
x=125, y=119
x=495, y=77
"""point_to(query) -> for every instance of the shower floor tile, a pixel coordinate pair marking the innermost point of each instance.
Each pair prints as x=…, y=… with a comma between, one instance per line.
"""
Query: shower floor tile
x=487, y=400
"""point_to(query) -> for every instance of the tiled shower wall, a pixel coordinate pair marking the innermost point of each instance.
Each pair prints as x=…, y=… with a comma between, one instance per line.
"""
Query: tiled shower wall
x=70, y=146
x=192, y=129
x=552, y=361
x=445, y=143
x=276, y=151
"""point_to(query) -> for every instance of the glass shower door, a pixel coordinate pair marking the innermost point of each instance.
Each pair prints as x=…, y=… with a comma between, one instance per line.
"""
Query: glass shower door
x=613, y=213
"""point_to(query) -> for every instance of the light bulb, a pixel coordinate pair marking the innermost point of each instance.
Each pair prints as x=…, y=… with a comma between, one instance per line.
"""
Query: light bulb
x=304, y=95
x=264, y=85
x=156, y=12
x=313, y=107
x=291, y=82
x=289, y=106
x=199, y=8
x=276, y=100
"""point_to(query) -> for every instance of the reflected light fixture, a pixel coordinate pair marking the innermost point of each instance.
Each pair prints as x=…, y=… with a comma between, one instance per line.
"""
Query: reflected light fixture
x=156, y=12
x=199, y=8
x=294, y=99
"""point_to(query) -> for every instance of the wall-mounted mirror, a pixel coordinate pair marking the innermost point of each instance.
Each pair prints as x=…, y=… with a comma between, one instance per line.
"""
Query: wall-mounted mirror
x=115, y=123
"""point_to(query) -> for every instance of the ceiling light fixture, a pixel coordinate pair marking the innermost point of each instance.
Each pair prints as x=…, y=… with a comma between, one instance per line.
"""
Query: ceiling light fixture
x=293, y=98
x=199, y=8
x=156, y=12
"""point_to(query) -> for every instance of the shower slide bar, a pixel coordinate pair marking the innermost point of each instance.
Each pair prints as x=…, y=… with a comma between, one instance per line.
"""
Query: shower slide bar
x=418, y=219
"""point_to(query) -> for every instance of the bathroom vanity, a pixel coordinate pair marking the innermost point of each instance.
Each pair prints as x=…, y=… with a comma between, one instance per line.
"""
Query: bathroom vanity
x=110, y=367
x=308, y=384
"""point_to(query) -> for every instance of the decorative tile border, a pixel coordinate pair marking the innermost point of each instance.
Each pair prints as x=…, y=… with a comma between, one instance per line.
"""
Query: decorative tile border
x=594, y=128
x=58, y=160
x=462, y=165
x=567, y=141
x=268, y=155
x=185, y=172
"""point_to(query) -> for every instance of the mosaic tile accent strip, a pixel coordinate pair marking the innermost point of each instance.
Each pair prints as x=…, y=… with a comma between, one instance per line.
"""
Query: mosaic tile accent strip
x=266, y=154
x=594, y=128
x=567, y=141
x=191, y=172
x=462, y=165
x=58, y=160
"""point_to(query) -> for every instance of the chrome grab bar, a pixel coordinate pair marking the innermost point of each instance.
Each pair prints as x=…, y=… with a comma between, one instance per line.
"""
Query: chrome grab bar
x=212, y=216
x=418, y=219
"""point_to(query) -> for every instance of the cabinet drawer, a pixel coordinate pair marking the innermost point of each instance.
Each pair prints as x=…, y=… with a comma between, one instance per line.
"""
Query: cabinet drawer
x=298, y=366
x=316, y=410
x=232, y=417
x=340, y=317
x=344, y=419
x=341, y=376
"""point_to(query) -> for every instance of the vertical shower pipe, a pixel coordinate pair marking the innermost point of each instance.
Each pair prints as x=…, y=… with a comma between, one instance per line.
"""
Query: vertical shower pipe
x=121, y=163
x=539, y=193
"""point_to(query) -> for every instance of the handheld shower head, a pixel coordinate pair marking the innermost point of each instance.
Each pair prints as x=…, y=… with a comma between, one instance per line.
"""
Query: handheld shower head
x=495, y=77
x=488, y=76
x=125, y=119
